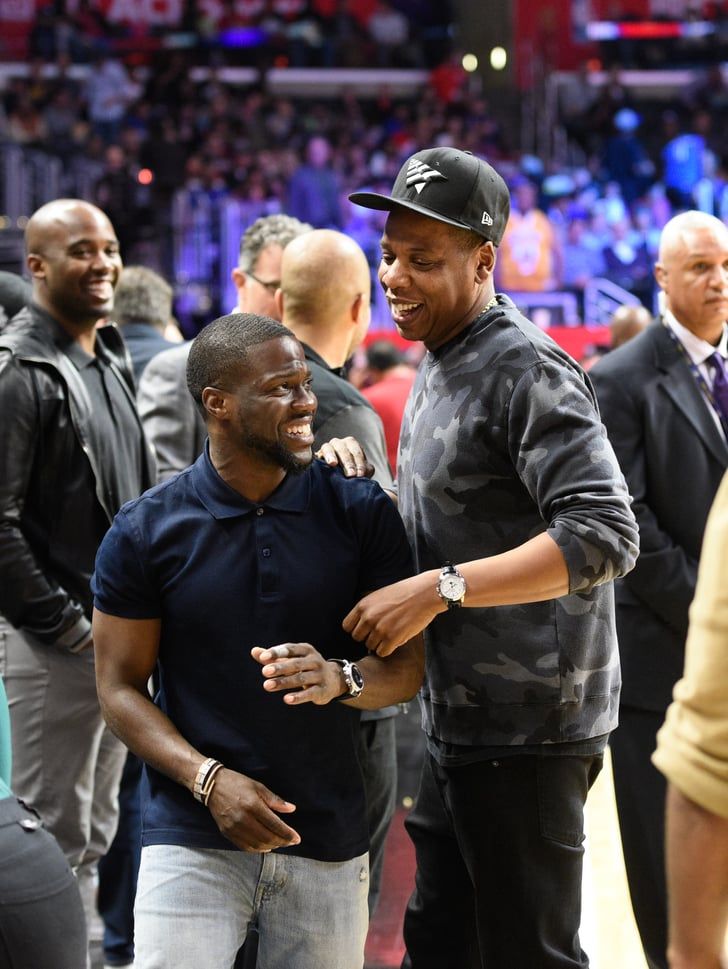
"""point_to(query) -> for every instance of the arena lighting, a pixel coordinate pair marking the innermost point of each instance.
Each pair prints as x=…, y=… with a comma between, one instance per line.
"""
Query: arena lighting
x=647, y=29
x=498, y=58
x=470, y=63
x=145, y=176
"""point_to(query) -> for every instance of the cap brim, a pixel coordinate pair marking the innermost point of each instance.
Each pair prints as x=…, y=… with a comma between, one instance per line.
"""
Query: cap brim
x=372, y=200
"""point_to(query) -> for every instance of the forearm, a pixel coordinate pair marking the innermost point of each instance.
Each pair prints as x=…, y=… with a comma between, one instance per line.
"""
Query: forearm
x=532, y=572
x=395, y=679
x=391, y=616
x=697, y=878
x=149, y=733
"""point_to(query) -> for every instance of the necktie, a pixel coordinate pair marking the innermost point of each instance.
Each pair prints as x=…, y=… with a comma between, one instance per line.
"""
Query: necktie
x=720, y=386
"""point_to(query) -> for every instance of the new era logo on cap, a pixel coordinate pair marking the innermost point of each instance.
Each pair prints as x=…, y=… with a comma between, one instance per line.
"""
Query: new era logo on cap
x=451, y=186
x=419, y=174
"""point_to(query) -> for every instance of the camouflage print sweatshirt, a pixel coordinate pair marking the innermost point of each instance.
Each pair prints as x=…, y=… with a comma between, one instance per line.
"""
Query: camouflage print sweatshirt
x=501, y=440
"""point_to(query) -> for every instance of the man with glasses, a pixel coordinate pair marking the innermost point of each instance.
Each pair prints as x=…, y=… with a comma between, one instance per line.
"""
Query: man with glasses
x=171, y=420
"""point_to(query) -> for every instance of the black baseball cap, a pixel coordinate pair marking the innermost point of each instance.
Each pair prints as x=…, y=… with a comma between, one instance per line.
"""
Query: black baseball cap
x=451, y=186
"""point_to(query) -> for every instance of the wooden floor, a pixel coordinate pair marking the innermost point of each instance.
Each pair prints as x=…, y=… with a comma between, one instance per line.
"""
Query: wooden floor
x=608, y=931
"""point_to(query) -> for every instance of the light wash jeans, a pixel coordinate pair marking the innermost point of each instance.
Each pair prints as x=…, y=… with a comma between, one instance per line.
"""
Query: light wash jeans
x=194, y=906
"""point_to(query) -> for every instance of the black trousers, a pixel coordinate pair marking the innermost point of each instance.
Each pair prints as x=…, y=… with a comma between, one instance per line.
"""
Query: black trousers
x=640, y=791
x=499, y=863
x=42, y=925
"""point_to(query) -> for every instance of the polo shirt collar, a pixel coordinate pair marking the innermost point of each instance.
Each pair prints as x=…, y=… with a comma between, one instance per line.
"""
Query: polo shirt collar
x=222, y=501
x=64, y=341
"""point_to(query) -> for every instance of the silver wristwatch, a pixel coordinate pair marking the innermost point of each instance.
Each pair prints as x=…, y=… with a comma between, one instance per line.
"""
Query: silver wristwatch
x=352, y=678
x=451, y=586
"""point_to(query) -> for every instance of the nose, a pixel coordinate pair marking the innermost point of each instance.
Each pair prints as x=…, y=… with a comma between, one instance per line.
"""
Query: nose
x=103, y=260
x=391, y=275
x=305, y=399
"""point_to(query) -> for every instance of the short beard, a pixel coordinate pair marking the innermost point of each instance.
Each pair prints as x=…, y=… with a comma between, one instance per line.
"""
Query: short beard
x=276, y=454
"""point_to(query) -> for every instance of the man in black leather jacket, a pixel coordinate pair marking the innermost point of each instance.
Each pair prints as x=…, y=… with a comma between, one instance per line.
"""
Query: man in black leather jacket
x=73, y=452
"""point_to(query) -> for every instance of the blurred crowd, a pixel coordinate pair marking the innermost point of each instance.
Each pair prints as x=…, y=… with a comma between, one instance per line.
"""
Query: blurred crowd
x=164, y=153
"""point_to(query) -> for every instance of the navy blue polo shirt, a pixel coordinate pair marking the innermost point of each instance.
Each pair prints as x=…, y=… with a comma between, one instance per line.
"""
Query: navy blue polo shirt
x=224, y=575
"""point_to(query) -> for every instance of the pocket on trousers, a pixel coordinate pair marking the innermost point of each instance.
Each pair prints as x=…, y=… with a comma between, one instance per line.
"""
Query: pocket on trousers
x=563, y=783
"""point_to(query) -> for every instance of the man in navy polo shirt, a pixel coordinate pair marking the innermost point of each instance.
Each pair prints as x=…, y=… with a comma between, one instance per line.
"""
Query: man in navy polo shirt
x=234, y=577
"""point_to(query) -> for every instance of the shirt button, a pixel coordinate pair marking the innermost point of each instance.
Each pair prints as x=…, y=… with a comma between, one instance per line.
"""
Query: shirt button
x=266, y=553
x=30, y=824
x=259, y=511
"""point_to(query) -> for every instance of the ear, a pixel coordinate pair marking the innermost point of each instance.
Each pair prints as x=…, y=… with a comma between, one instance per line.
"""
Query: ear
x=239, y=280
x=279, y=300
x=357, y=307
x=36, y=265
x=215, y=403
x=661, y=275
x=485, y=261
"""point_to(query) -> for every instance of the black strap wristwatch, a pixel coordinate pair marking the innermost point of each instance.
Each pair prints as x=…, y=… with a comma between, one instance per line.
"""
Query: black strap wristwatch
x=352, y=678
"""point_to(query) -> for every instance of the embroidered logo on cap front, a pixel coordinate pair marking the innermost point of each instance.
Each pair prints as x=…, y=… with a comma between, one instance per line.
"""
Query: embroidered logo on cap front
x=419, y=174
x=486, y=220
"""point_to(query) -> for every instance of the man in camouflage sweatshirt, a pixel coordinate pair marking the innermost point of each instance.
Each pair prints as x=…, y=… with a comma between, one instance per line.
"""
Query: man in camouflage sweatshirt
x=504, y=469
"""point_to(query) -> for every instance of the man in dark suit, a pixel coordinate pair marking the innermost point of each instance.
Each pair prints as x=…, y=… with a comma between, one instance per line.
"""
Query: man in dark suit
x=663, y=402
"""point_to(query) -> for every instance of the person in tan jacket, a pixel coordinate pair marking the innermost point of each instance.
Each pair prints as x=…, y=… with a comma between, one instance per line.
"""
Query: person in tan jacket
x=692, y=752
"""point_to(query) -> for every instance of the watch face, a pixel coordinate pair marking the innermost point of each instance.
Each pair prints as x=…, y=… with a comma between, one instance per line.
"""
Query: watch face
x=452, y=586
x=356, y=676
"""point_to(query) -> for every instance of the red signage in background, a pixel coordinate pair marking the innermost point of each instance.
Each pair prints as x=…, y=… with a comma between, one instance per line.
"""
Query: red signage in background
x=18, y=16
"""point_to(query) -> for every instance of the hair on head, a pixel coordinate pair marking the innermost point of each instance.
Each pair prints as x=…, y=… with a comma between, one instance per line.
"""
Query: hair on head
x=222, y=347
x=269, y=230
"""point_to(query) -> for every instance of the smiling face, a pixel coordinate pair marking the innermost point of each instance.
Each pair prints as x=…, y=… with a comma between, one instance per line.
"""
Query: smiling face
x=75, y=262
x=273, y=406
x=693, y=274
x=436, y=278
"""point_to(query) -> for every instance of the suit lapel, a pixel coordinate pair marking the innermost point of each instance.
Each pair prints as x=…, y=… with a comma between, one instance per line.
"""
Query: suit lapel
x=681, y=386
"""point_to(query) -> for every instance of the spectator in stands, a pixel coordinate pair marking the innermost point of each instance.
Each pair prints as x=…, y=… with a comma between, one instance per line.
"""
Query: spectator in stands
x=25, y=123
x=529, y=257
x=580, y=262
x=109, y=92
x=143, y=309
x=116, y=192
x=627, y=322
x=628, y=263
x=682, y=161
x=313, y=191
x=74, y=453
x=387, y=381
x=389, y=30
x=626, y=161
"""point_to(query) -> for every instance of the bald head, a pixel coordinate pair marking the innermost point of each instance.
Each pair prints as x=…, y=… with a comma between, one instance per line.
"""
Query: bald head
x=74, y=260
x=678, y=233
x=692, y=271
x=626, y=323
x=325, y=293
x=56, y=216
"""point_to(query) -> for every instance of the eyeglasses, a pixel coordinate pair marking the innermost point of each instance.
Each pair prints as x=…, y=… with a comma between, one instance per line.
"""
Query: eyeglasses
x=272, y=285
